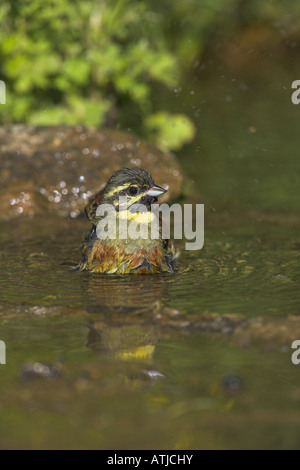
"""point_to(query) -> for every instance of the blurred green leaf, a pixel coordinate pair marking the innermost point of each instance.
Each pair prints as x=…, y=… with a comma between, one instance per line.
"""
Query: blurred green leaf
x=170, y=131
x=99, y=61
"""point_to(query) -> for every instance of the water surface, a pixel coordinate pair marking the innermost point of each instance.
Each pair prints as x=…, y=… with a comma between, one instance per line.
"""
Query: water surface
x=132, y=363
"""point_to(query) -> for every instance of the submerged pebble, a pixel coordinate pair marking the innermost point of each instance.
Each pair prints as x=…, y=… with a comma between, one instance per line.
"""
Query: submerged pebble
x=233, y=383
x=37, y=370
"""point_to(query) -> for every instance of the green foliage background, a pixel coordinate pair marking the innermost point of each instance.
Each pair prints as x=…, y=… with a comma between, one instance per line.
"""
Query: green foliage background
x=97, y=62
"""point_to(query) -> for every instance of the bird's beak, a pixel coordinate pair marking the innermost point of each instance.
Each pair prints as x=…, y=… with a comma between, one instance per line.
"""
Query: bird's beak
x=156, y=191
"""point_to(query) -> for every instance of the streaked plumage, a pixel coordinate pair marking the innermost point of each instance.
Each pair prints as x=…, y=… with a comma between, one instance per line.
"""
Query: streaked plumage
x=127, y=255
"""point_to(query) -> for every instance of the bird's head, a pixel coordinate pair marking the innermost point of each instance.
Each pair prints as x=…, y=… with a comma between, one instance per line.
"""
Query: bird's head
x=135, y=184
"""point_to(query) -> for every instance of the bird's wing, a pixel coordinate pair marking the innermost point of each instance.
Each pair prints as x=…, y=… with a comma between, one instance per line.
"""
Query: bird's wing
x=91, y=207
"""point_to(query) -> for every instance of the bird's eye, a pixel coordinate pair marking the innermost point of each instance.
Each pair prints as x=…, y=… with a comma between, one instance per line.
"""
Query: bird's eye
x=132, y=191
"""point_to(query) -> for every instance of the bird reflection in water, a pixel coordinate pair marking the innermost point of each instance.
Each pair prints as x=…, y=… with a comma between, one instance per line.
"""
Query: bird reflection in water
x=123, y=310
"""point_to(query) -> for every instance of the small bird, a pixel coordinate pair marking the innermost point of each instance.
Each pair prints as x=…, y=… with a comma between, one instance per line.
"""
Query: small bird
x=121, y=254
